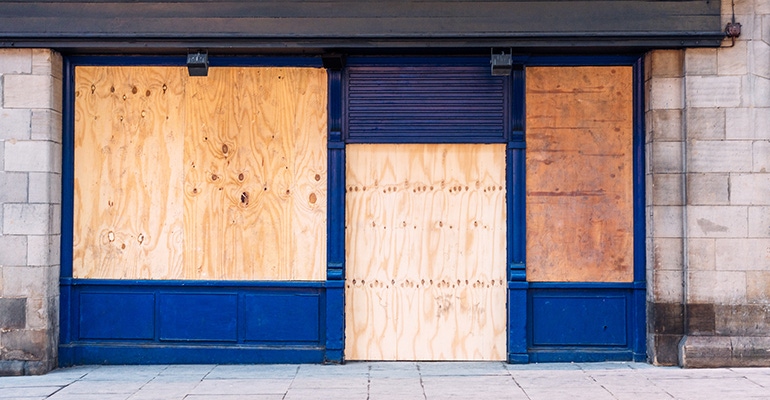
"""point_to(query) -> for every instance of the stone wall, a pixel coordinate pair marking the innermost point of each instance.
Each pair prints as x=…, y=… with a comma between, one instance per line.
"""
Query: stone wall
x=708, y=124
x=30, y=198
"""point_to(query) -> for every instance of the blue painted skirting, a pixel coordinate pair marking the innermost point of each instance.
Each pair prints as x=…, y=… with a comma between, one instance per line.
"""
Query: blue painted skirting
x=120, y=321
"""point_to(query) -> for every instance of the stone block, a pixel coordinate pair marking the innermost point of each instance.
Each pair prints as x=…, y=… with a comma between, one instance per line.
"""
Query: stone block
x=30, y=282
x=46, y=125
x=2, y=156
x=666, y=222
x=759, y=222
x=15, y=61
x=713, y=91
x=758, y=287
x=701, y=254
x=15, y=124
x=760, y=95
x=761, y=156
x=667, y=254
x=705, y=123
x=750, y=189
x=44, y=188
x=765, y=21
x=719, y=156
x=705, y=352
x=717, y=221
x=665, y=93
x=720, y=287
x=667, y=286
x=667, y=318
x=33, y=156
x=42, y=250
x=742, y=319
x=666, y=63
x=761, y=59
x=665, y=125
x=46, y=62
x=38, y=313
x=700, y=62
x=24, y=344
x=666, y=157
x=27, y=219
x=732, y=60
x=700, y=319
x=13, y=250
x=28, y=91
x=748, y=123
x=13, y=314
x=13, y=187
x=55, y=219
x=745, y=254
x=663, y=349
x=666, y=189
x=708, y=189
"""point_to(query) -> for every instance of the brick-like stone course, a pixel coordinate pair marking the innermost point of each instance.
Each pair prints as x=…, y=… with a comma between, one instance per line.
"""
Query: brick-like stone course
x=30, y=211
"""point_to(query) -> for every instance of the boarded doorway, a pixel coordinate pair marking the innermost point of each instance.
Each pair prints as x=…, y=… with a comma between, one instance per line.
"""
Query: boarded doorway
x=425, y=240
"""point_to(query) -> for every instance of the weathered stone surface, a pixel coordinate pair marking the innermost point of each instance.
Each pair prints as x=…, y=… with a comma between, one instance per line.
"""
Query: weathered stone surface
x=666, y=222
x=15, y=124
x=44, y=187
x=701, y=254
x=665, y=93
x=742, y=319
x=708, y=189
x=705, y=123
x=713, y=91
x=705, y=352
x=46, y=125
x=758, y=287
x=666, y=63
x=717, y=221
x=721, y=287
x=33, y=156
x=30, y=282
x=700, y=62
x=13, y=314
x=732, y=60
x=667, y=254
x=667, y=286
x=719, y=156
x=15, y=61
x=24, y=344
x=759, y=222
x=700, y=319
x=742, y=254
x=750, y=189
x=747, y=123
x=13, y=250
x=29, y=91
x=666, y=157
x=13, y=187
x=27, y=219
x=665, y=125
x=667, y=189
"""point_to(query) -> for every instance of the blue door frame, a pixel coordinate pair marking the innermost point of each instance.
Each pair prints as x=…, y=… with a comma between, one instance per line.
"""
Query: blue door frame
x=122, y=321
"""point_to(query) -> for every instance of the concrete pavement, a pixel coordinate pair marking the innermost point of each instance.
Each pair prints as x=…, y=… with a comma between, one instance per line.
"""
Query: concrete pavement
x=391, y=380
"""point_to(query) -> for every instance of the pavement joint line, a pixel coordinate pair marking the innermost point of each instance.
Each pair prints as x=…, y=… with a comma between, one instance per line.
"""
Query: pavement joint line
x=369, y=381
x=422, y=384
x=510, y=373
x=293, y=378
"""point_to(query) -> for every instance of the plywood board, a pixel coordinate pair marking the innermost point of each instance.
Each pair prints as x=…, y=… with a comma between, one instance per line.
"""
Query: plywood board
x=255, y=174
x=579, y=174
x=127, y=217
x=218, y=177
x=425, y=243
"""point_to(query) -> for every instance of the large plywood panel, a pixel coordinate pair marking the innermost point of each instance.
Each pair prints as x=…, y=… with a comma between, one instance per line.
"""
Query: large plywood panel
x=579, y=174
x=129, y=137
x=425, y=242
x=255, y=174
x=218, y=177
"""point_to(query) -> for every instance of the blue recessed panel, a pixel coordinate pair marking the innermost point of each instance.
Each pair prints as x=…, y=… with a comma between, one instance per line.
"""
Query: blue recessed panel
x=578, y=320
x=198, y=317
x=117, y=316
x=282, y=317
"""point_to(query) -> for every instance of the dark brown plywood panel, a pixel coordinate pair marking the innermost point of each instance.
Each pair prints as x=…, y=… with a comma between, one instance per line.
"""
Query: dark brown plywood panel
x=579, y=174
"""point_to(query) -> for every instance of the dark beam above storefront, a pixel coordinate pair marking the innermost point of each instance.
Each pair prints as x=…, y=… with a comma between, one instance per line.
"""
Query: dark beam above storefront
x=311, y=25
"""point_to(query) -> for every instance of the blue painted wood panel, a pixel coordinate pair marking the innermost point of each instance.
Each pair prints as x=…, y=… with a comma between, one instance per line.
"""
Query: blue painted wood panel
x=198, y=316
x=575, y=320
x=281, y=317
x=117, y=316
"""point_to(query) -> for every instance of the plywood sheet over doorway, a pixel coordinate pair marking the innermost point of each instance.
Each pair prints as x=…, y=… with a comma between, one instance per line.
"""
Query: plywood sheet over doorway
x=213, y=178
x=579, y=174
x=425, y=240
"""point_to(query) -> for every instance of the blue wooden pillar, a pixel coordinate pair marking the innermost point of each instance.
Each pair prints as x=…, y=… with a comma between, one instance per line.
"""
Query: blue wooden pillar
x=516, y=255
x=335, y=267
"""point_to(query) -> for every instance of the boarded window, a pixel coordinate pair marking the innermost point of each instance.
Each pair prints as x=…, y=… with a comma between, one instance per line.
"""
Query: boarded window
x=579, y=174
x=218, y=177
x=425, y=242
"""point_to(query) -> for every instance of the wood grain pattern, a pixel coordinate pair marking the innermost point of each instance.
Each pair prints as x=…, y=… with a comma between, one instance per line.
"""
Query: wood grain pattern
x=129, y=134
x=579, y=174
x=221, y=177
x=425, y=242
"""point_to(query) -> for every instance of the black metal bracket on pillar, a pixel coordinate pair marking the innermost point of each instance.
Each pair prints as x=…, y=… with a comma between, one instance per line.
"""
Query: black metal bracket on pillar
x=335, y=267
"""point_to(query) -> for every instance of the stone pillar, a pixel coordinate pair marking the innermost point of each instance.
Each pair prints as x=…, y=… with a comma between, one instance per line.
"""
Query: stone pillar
x=30, y=209
x=728, y=224
x=664, y=117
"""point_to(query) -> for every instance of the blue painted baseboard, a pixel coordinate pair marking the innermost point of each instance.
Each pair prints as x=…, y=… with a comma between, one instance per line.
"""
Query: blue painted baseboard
x=145, y=322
